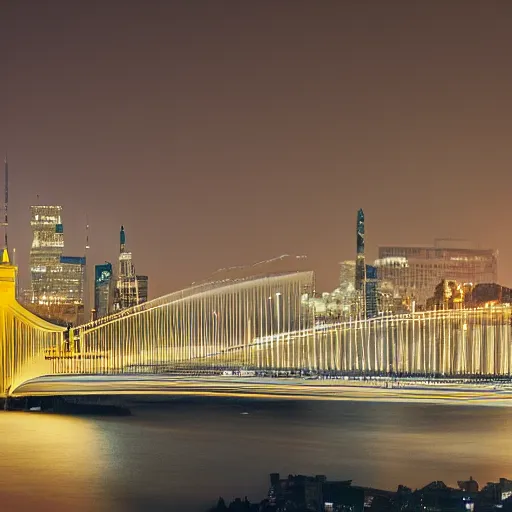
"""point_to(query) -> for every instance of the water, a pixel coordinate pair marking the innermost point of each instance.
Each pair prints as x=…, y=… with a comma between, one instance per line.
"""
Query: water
x=180, y=456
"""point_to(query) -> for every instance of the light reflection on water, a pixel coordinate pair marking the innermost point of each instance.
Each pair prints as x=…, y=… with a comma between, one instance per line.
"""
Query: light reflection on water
x=183, y=455
x=41, y=455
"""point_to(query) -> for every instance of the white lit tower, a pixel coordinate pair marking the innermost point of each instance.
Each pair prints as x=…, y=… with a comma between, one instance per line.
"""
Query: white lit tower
x=131, y=289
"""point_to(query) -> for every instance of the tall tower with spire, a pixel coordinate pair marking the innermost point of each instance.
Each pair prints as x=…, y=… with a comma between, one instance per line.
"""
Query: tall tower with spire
x=131, y=289
x=360, y=280
x=360, y=259
x=122, y=240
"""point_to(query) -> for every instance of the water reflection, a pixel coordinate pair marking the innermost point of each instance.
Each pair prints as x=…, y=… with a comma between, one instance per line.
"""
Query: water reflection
x=182, y=455
x=47, y=461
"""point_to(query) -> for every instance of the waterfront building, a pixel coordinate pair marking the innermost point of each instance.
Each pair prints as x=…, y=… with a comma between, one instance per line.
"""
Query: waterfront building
x=316, y=493
x=103, y=290
x=415, y=271
x=453, y=295
x=488, y=294
x=57, y=281
x=131, y=289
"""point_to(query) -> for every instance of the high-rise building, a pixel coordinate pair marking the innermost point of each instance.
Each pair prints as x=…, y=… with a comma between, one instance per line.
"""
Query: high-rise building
x=371, y=292
x=416, y=271
x=142, y=288
x=360, y=260
x=103, y=290
x=47, y=248
x=131, y=289
x=57, y=281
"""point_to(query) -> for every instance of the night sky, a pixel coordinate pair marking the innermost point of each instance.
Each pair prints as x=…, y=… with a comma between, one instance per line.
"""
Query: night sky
x=224, y=132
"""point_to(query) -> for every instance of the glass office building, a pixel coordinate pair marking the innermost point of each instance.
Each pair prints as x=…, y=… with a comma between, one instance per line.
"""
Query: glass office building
x=103, y=290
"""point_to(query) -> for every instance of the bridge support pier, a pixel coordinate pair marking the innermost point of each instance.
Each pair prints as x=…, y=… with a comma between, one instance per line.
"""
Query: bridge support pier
x=7, y=403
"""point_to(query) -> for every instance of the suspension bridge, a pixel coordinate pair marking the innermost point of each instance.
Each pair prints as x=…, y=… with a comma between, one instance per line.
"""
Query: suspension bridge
x=245, y=336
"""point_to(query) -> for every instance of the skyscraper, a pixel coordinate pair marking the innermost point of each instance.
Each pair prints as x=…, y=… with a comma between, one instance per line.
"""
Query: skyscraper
x=360, y=277
x=131, y=289
x=360, y=260
x=371, y=290
x=47, y=248
x=57, y=281
x=103, y=289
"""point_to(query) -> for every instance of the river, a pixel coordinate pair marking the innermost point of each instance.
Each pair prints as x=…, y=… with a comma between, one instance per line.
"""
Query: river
x=181, y=455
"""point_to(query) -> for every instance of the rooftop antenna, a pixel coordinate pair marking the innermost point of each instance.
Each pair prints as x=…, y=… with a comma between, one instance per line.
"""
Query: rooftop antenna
x=86, y=292
x=87, y=233
x=6, y=199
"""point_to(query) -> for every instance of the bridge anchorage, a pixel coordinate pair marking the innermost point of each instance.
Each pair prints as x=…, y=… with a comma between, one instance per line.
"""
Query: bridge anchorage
x=260, y=324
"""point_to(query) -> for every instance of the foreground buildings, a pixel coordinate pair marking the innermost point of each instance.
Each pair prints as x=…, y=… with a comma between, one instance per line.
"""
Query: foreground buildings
x=57, y=281
x=317, y=494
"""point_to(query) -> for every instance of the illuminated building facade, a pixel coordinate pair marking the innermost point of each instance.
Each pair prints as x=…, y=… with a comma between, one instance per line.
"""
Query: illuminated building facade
x=371, y=288
x=131, y=289
x=103, y=290
x=47, y=248
x=416, y=271
x=360, y=260
x=360, y=270
x=57, y=281
x=453, y=295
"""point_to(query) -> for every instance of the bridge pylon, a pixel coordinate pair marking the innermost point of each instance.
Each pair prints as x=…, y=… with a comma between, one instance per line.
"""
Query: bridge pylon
x=24, y=337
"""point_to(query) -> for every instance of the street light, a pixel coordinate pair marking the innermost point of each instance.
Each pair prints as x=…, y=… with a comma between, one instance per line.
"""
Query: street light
x=215, y=330
x=278, y=305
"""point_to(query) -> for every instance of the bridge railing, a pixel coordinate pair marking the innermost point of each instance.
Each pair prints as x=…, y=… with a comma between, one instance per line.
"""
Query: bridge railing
x=444, y=342
x=263, y=323
x=201, y=323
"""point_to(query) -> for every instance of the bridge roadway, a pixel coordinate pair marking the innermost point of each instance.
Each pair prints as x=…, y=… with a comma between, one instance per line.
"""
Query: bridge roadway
x=266, y=387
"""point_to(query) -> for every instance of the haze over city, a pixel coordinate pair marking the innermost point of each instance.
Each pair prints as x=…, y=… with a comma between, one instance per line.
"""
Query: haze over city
x=190, y=136
x=222, y=133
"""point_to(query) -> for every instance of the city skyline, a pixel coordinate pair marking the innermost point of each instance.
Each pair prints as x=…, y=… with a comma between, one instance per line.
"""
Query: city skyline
x=216, y=147
x=253, y=238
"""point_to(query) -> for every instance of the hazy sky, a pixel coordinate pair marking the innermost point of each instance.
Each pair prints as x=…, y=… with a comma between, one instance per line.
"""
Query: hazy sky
x=225, y=132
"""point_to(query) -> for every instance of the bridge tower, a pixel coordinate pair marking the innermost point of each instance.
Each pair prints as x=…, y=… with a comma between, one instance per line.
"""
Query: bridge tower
x=24, y=337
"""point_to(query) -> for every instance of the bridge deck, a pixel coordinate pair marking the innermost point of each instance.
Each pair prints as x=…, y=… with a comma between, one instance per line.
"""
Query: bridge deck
x=256, y=387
